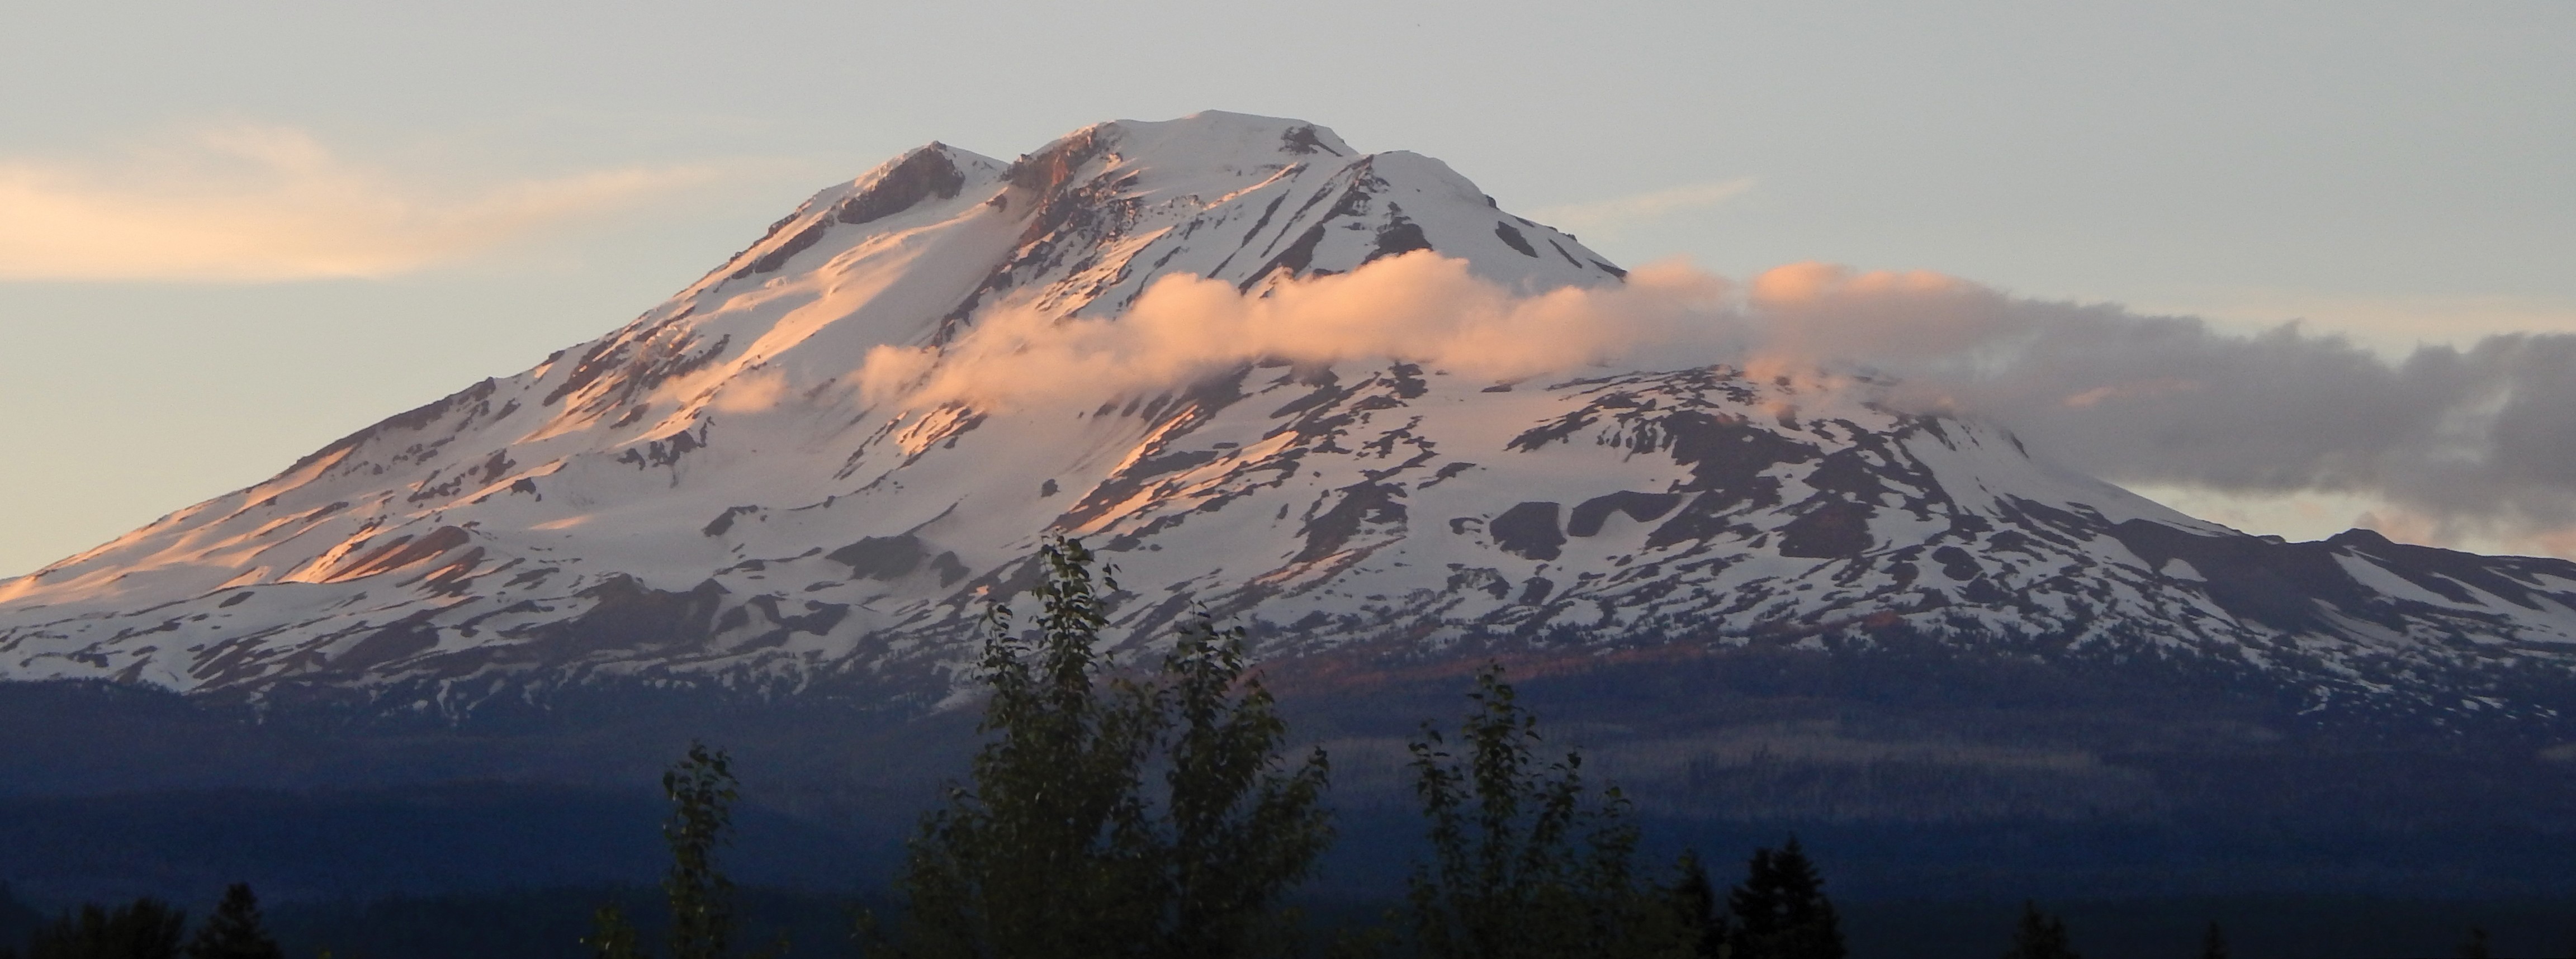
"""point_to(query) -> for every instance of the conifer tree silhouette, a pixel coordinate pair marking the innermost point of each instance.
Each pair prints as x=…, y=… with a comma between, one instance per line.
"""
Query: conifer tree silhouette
x=142, y=929
x=1705, y=925
x=2040, y=936
x=235, y=931
x=2475, y=946
x=1781, y=911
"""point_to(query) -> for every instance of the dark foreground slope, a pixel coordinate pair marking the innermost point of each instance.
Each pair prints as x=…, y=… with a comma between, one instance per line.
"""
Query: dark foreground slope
x=1911, y=776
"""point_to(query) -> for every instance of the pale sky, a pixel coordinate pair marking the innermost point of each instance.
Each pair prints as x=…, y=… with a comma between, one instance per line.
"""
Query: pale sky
x=232, y=233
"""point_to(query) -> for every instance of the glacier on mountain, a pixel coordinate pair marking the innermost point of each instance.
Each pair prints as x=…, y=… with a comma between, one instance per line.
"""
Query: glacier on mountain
x=718, y=493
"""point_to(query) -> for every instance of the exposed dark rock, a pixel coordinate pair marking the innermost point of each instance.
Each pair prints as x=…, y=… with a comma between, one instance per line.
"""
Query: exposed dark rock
x=1303, y=138
x=1956, y=563
x=1128, y=482
x=950, y=569
x=1295, y=259
x=778, y=256
x=1446, y=472
x=1727, y=452
x=666, y=450
x=2444, y=571
x=1408, y=381
x=724, y=521
x=401, y=552
x=411, y=636
x=1528, y=530
x=1511, y=237
x=1558, y=431
x=920, y=175
x=881, y=557
x=2276, y=584
x=1642, y=507
x=1835, y=530
x=1536, y=590
x=1361, y=504
x=1051, y=168
x=411, y=420
x=1400, y=235
x=818, y=618
x=627, y=614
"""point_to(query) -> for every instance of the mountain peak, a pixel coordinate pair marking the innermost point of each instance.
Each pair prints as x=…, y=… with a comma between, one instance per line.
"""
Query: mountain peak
x=710, y=495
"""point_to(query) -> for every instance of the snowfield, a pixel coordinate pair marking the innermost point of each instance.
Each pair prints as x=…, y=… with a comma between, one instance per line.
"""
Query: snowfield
x=726, y=490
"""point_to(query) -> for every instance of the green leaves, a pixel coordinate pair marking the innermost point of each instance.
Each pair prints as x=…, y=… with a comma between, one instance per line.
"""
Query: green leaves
x=1525, y=861
x=702, y=790
x=1062, y=846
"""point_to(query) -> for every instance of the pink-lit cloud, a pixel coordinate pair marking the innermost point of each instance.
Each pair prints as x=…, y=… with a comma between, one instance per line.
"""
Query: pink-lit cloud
x=2462, y=444
x=253, y=204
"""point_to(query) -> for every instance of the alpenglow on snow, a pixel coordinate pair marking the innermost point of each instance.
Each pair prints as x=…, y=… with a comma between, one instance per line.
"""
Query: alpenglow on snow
x=713, y=495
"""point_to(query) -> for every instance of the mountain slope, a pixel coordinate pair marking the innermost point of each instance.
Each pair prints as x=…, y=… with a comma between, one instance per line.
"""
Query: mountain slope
x=712, y=494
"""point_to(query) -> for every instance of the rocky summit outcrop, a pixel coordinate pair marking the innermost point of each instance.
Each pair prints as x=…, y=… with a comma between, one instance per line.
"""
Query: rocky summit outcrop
x=709, y=495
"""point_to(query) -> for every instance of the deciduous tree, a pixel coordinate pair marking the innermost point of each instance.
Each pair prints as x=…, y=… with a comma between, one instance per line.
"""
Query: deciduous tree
x=701, y=789
x=1060, y=844
x=1526, y=861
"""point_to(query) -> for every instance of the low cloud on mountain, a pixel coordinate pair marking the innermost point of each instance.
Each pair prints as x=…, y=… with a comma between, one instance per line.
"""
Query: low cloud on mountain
x=2474, y=442
x=2479, y=441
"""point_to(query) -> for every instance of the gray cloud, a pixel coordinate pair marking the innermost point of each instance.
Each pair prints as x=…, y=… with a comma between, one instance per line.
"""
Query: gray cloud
x=2480, y=439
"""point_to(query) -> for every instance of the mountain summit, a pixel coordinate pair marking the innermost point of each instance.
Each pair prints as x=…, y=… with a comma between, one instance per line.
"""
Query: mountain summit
x=726, y=493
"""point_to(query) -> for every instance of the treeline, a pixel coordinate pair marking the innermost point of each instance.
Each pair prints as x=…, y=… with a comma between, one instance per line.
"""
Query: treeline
x=152, y=929
x=1165, y=815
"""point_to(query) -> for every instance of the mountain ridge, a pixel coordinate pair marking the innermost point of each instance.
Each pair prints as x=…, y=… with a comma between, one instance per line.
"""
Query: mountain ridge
x=711, y=495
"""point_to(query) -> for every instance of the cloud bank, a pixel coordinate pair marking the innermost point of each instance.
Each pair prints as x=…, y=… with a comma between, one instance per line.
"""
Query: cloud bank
x=252, y=204
x=2473, y=441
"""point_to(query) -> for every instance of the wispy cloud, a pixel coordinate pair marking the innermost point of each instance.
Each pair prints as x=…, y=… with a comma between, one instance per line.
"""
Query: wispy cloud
x=1610, y=217
x=255, y=204
x=2390, y=324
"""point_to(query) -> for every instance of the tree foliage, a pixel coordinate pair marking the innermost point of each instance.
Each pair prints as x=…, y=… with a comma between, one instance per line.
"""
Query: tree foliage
x=2040, y=936
x=1703, y=916
x=1525, y=860
x=1066, y=843
x=236, y=930
x=1781, y=911
x=702, y=789
x=2475, y=946
x=142, y=929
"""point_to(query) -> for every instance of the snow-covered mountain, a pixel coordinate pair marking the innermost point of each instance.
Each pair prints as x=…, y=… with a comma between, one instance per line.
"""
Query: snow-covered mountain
x=711, y=495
